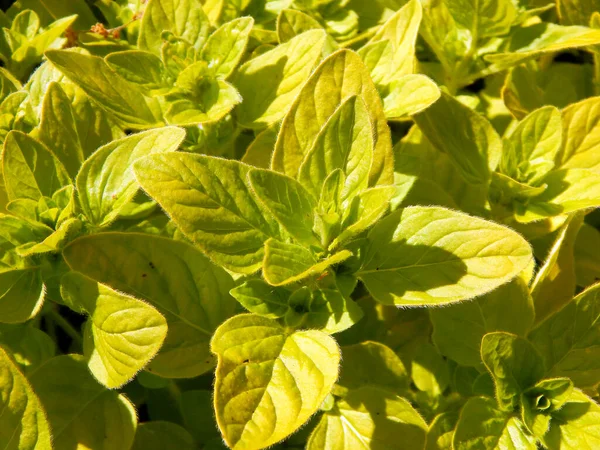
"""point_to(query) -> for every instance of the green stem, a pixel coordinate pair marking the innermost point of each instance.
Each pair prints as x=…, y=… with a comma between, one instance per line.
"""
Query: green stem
x=66, y=326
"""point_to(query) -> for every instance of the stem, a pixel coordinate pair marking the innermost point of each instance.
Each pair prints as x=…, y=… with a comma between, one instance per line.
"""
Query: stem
x=66, y=326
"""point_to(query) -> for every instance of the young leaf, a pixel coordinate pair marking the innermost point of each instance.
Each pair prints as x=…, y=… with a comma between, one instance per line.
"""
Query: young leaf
x=267, y=374
x=400, y=33
x=288, y=263
x=58, y=129
x=466, y=137
x=211, y=202
x=106, y=182
x=531, y=148
x=287, y=66
x=575, y=425
x=568, y=339
x=409, y=95
x=345, y=142
x=288, y=201
x=30, y=169
x=291, y=23
x=515, y=365
x=123, y=333
x=184, y=18
x=177, y=279
x=429, y=255
x=80, y=410
x=568, y=190
x=225, y=47
x=262, y=299
x=24, y=425
x=111, y=92
x=459, y=328
x=340, y=76
x=364, y=211
x=369, y=418
x=322, y=309
x=482, y=425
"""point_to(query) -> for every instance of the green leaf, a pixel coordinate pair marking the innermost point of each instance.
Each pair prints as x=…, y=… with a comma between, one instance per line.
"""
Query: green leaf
x=364, y=211
x=211, y=202
x=144, y=69
x=430, y=255
x=515, y=365
x=24, y=425
x=177, y=279
x=409, y=95
x=260, y=150
x=106, y=182
x=441, y=431
x=123, y=333
x=225, y=47
x=291, y=23
x=369, y=418
x=287, y=201
x=29, y=347
x=55, y=242
x=58, y=129
x=459, y=328
x=262, y=299
x=21, y=294
x=345, y=142
x=554, y=284
x=581, y=129
x=322, y=309
x=287, y=66
x=373, y=364
x=568, y=190
x=269, y=375
x=482, y=425
x=540, y=402
x=196, y=410
x=199, y=97
x=532, y=41
x=340, y=76
x=399, y=33
x=568, y=339
x=575, y=426
x=288, y=263
x=587, y=260
x=159, y=435
x=30, y=169
x=184, y=18
x=531, y=148
x=111, y=92
x=576, y=12
x=483, y=18
x=79, y=409
x=466, y=137
x=429, y=371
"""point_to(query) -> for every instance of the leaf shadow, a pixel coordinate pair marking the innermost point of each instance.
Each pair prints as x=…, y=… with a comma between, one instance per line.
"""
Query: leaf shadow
x=261, y=99
x=417, y=269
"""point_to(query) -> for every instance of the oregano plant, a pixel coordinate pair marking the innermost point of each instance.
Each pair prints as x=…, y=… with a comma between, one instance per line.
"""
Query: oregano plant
x=332, y=225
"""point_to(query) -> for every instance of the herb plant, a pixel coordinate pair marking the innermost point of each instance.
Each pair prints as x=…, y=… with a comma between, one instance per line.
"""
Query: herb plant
x=330, y=225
